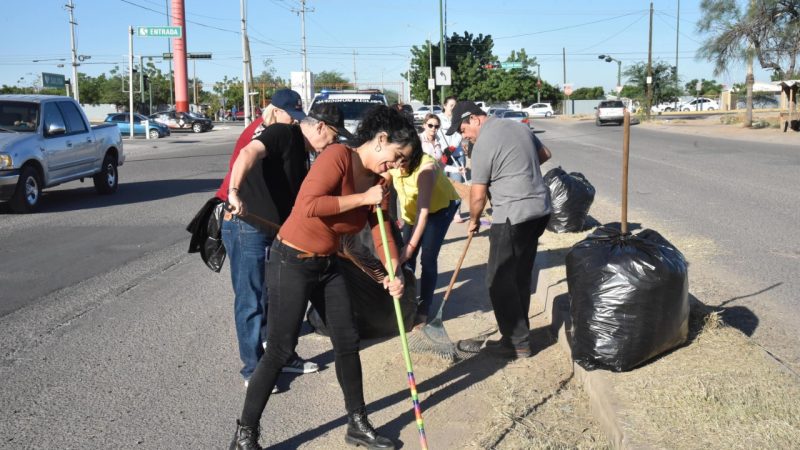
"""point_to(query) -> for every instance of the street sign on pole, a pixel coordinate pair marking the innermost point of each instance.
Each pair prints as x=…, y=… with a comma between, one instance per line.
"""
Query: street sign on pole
x=443, y=76
x=567, y=90
x=53, y=80
x=168, y=32
x=511, y=65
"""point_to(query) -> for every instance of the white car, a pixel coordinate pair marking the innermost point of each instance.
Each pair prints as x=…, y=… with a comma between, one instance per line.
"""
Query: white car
x=539, y=110
x=422, y=111
x=663, y=107
x=699, y=104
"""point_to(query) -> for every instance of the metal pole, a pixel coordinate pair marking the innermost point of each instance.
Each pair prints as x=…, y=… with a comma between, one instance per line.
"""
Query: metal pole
x=441, y=46
x=430, y=69
x=194, y=81
x=141, y=78
x=619, y=75
x=245, y=62
x=130, y=79
x=305, y=65
x=538, y=81
x=169, y=50
x=75, y=90
x=649, y=66
x=677, y=34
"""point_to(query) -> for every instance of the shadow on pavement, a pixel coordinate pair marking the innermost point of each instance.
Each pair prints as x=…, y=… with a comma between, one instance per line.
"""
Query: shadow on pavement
x=84, y=198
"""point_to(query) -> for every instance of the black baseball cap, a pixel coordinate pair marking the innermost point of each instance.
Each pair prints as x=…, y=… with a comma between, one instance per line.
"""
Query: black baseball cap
x=462, y=111
x=331, y=115
x=289, y=101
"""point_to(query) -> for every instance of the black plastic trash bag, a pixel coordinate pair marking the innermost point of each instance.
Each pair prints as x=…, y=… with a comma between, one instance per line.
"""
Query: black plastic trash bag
x=572, y=196
x=629, y=298
x=373, y=307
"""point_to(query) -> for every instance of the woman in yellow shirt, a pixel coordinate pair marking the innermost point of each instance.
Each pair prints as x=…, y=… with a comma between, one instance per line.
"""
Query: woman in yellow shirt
x=428, y=203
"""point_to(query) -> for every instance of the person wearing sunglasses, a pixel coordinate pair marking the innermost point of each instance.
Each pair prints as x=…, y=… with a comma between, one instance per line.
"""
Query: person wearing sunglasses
x=432, y=144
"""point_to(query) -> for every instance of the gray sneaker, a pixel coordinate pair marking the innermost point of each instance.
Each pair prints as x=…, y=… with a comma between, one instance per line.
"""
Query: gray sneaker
x=298, y=365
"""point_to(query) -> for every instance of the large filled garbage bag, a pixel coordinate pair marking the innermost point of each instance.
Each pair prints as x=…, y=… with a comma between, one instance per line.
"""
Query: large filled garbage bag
x=373, y=307
x=572, y=196
x=629, y=298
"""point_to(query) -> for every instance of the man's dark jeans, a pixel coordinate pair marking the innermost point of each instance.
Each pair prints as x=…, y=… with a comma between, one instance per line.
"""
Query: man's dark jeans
x=294, y=280
x=512, y=252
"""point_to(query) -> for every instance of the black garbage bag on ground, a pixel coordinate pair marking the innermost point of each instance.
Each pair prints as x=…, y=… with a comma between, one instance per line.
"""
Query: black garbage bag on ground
x=629, y=298
x=572, y=196
x=373, y=307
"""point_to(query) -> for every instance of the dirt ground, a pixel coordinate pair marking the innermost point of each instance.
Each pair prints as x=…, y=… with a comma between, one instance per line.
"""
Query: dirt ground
x=719, y=391
x=483, y=402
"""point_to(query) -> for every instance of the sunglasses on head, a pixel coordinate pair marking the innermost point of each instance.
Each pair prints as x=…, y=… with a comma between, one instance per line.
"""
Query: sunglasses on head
x=430, y=125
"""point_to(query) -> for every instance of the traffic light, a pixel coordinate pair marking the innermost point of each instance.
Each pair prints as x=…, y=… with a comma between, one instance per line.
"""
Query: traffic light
x=146, y=81
x=489, y=66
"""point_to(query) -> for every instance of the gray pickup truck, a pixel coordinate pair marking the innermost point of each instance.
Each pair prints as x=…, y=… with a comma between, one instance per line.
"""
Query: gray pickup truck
x=46, y=140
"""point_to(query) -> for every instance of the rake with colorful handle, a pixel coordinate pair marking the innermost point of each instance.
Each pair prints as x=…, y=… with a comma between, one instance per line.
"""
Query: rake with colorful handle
x=412, y=384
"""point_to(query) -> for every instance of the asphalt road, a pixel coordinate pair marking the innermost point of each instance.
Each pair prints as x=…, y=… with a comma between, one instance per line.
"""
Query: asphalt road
x=744, y=197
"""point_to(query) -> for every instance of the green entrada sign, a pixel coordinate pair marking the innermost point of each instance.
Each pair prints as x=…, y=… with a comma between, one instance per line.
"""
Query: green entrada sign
x=511, y=65
x=170, y=32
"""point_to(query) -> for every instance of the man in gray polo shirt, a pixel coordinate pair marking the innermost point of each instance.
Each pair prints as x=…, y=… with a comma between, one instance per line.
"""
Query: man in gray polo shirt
x=505, y=168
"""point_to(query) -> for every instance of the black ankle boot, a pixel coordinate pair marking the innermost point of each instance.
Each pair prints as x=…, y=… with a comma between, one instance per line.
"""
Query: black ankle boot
x=360, y=432
x=246, y=438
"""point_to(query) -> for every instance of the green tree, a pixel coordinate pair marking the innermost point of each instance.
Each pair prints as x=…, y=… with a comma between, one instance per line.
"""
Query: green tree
x=586, y=93
x=708, y=88
x=332, y=80
x=663, y=82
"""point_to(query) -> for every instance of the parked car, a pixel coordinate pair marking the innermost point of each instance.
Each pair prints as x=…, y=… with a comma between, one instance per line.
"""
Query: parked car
x=46, y=140
x=664, y=107
x=240, y=114
x=699, y=104
x=422, y=111
x=609, y=111
x=123, y=120
x=539, y=110
x=494, y=111
x=517, y=116
x=353, y=103
x=183, y=121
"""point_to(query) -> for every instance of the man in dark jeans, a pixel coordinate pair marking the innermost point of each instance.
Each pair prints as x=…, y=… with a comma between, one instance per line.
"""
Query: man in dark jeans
x=505, y=167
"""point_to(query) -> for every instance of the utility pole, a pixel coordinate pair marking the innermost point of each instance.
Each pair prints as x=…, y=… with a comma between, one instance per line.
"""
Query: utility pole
x=306, y=75
x=141, y=78
x=538, y=83
x=194, y=82
x=130, y=79
x=649, y=102
x=430, y=70
x=355, y=79
x=441, y=46
x=564, y=62
x=245, y=63
x=677, y=34
x=72, y=23
x=169, y=61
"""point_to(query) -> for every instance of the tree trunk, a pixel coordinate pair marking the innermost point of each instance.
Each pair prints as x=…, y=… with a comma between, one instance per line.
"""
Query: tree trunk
x=748, y=116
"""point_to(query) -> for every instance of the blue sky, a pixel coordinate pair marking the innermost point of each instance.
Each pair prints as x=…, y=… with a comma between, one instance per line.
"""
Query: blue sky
x=380, y=32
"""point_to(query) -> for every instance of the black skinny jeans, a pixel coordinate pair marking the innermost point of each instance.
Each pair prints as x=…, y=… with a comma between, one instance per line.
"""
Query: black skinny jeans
x=512, y=252
x=292, y=282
